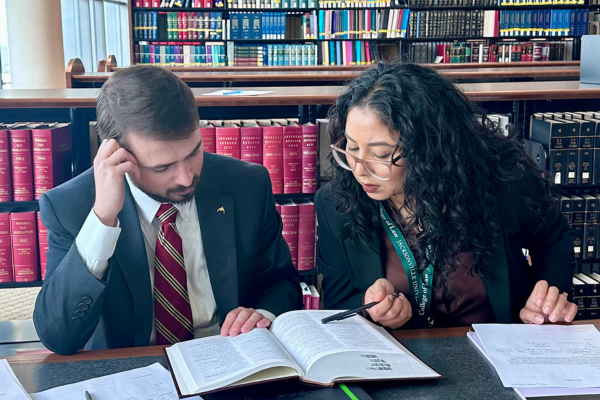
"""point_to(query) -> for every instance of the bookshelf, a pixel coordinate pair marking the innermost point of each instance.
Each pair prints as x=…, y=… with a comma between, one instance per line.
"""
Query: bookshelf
x=365, y=33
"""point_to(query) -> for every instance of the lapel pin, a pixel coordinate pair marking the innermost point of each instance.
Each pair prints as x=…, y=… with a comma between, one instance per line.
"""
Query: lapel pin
x=221, y=209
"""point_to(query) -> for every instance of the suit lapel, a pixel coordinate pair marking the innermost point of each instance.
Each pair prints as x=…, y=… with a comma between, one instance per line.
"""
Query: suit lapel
x=498, y=285
x=216, y=215
x=131, y=256
x=366, y=261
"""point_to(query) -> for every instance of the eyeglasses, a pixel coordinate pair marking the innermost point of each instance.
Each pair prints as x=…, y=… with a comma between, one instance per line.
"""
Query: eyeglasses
x=378, y=169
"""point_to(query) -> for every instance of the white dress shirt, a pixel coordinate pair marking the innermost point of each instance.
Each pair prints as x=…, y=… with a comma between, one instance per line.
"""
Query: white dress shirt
x=96, y=243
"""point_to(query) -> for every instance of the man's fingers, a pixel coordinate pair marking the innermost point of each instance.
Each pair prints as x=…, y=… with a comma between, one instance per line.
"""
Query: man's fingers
x=530, y=316
x=251, y=322
x=242, y=317
x=539, y=293
x=229, y=319
x=551, y=299
x=560, y=305
x=570, y=311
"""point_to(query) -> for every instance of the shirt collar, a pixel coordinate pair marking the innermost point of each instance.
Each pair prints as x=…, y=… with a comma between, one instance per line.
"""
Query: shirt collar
x=148, y=207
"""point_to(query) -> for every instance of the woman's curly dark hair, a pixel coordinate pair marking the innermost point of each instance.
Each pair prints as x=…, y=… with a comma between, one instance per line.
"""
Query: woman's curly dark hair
x=456, y=164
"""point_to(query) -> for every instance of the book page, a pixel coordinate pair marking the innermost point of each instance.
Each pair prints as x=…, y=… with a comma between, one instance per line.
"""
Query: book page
x=10, y=387
x=210, y=363
x=543, y=355
x=350, y=348
x=148, y=383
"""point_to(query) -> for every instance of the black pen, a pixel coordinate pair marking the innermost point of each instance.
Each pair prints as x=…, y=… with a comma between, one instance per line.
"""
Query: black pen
x=349, y=313
x=88, y=396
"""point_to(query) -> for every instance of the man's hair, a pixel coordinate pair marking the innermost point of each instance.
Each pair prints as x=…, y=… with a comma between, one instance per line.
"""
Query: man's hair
x=146, y=100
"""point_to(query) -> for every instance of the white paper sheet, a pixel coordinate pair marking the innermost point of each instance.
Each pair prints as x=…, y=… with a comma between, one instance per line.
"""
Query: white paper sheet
x=147, y=383
x=233, y=92
x=543, y=355
x=10, y=387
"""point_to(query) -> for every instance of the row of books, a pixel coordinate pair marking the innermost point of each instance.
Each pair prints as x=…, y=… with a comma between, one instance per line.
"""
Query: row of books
x=299, y=231
x=454, y=3
x=153, y=25
x=179, y=3
x=34, y=158
x=173, y=54
x=21, y=240
x=586, y=294
x=581, y=212
x=363, y=4
x=272, y=54
x=272, y=4
x=349, y=53
x=287, y=148
x=542, y=2
x=272, y=25
x=310, y=297
x=453, y=23
x=363, y=24
x=572, y=143
x=544, y=22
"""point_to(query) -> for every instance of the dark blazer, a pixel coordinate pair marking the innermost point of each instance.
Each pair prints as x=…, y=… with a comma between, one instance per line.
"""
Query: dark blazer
x=248, y=260
x=349, y=269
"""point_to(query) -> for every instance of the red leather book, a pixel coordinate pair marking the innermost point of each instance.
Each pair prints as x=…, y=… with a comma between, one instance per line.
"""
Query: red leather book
x=194, y=25
x=180, y=25
x=207, y=131
x=273, y=153
x=24, y=234
x=310, y=155
x=292, y=158
x=306, y=296
x=306, y=234
x=6, y=266
x=251, y=142
x=22, y=166
x=43, y=245
x=228, y=140
x=52, y=153
x=289, y=218
x=314, y=297
x=6, y=191
x=184, y=25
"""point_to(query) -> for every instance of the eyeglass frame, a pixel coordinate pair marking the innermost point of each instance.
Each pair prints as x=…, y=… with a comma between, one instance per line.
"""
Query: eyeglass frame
x=334, y=147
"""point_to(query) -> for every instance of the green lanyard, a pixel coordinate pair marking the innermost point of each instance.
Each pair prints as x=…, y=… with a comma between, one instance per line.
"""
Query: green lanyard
x=420, y=285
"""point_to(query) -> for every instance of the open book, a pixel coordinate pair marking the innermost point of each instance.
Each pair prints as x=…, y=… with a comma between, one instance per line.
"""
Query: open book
x=296, y=345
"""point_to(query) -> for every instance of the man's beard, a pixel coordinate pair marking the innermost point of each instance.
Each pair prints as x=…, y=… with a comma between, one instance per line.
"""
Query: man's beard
x=177, y=189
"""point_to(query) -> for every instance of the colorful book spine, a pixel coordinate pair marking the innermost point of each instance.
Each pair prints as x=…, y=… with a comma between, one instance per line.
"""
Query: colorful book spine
x=208, y=134
x=24, y=246
x=22, y=168
x=306, y=235
x=292, y=159
x=6, y=265
x=314, y=297
x=52, y=152
x=6, y=191
x=289, y=218
x=43, y=245
x=228, y=140
x=310, y=154
x=251, y=144
x=306, y=296
x=273, y=155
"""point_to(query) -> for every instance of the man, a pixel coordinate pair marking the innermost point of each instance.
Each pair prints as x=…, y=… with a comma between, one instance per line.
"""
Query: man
x=159, y=242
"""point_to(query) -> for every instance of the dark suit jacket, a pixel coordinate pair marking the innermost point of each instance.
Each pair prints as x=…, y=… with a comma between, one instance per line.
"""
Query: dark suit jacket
x=349, y=269
x=248, y=260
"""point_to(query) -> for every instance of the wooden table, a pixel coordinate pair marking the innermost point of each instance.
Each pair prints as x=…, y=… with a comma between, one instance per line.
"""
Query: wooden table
x=310, y=95
x=467, y=374
x=223, y=77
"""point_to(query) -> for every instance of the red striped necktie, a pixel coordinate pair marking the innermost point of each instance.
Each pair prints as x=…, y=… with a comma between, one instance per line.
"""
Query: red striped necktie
x=172, y=310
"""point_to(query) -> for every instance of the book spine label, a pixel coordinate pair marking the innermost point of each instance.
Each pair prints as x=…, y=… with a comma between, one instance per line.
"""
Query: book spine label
x=289, y=218
x=51, y=158
x=252, y=146
x=209, y=139
x=6, y=266
x=586, y=153
x=228, y=142
x=292, y=159
x=43, y=245
x=273, y=156
x=306, y=236
x=5, y=171
x=310, y=153
x=314, y=302
x=22, y=165
x=24, y=246
x=578, y=227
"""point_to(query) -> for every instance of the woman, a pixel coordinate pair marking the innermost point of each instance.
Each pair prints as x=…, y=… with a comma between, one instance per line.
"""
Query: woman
x=428, y=200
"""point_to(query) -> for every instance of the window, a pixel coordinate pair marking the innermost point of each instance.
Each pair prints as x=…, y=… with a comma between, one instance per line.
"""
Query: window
x=95, y=29
x=5, y=81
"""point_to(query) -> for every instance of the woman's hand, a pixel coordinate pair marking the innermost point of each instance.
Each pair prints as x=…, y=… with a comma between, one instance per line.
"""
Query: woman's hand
x=390, y=312
x=547, y=304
